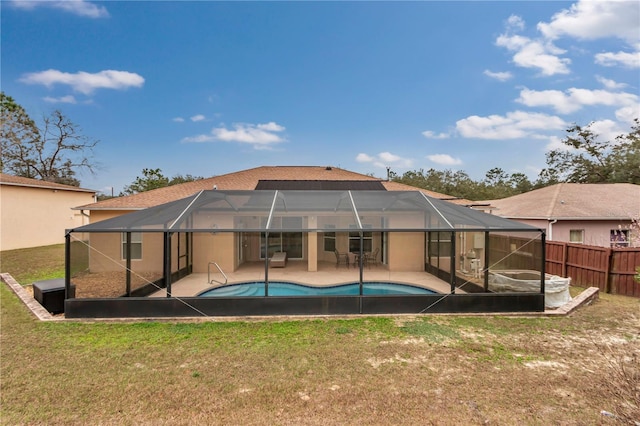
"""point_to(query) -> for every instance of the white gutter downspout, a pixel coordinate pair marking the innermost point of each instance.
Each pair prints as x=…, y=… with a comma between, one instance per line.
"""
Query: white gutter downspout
x=83, y=214
x=550, y=233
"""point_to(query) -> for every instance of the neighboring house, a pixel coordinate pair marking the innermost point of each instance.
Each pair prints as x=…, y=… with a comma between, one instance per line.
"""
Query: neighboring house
x=37, y=213
x=594, y=214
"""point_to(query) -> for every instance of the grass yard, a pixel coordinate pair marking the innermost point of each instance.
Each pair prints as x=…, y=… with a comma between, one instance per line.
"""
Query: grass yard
x=372, y=370
x=34, y=264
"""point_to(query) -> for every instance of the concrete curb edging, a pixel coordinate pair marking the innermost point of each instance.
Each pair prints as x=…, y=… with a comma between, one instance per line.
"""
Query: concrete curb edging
x=36, y=308
x=583, y=299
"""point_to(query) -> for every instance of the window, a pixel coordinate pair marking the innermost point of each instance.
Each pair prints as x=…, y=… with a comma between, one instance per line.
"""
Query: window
x=367, y=241
x=329, y=239
x=136, y=246
x=440, y=244
x=576, y=236
x=619, y=238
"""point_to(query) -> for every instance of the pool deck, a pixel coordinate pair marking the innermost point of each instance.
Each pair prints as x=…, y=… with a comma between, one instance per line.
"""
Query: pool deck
x=296, y=271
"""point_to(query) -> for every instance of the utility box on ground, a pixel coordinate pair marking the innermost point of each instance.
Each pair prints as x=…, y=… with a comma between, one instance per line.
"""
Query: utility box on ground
x=50, y=294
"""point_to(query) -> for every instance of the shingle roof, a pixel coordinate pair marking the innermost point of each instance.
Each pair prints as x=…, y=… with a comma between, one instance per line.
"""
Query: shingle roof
x=397, y=186
x=573, y=201
x=246, y=180
x=11, y=180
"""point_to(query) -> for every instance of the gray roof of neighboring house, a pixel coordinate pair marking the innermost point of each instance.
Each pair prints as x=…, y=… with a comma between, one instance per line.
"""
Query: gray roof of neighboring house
x=597, y=201
x=11, y=180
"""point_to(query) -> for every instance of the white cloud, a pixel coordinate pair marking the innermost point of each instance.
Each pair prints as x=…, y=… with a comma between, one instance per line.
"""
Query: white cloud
x=610, y=59
x=628, y=114
x=604, y=130
x=514, y=125
x=178, y=119
x=198, y=117
x=500, y=76
x=574, y=99
x=584, y=20
x=515, y=22
x=591, y=20
x=85, y=82
x=433, y=135
x=61, y=100
x=76, y=7
x=270, y=127
x=555, y=142
x=537, y=54
x=261, y=136
x=610, y=84
x=364, y=158
x=385, y=159
x=444, y=159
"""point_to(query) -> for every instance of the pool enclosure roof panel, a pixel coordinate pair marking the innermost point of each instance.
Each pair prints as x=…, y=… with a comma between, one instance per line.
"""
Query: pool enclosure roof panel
x=305, y=210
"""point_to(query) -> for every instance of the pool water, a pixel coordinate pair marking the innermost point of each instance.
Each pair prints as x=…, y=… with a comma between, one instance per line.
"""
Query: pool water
x=291, y=289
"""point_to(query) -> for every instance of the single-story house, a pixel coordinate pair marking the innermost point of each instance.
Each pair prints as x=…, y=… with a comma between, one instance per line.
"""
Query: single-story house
x=154, y=253
x=602, y=214
x=36, y=213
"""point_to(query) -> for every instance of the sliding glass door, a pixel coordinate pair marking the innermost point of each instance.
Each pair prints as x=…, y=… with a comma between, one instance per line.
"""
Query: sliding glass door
x=289, y=242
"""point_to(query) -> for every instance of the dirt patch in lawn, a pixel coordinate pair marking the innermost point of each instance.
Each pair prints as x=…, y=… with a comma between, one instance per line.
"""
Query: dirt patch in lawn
x=109, y=284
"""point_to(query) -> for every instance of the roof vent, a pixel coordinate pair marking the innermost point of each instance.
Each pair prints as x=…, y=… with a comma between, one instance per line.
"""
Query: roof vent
x=328, y=168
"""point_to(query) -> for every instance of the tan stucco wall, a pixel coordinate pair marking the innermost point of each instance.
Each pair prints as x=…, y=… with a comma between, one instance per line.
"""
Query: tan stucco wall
x=406, y=251
x=105, y=252
x=219, y=248
x=33, y=217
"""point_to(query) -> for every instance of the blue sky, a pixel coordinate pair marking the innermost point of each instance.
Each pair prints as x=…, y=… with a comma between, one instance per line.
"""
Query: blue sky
x=207, y=88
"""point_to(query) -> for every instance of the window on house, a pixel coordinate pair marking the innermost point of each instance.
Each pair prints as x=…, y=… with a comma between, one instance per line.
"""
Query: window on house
x=329, y=239
x=619, y=238
x=136, y=246
x=367, y=241
x=576, y=236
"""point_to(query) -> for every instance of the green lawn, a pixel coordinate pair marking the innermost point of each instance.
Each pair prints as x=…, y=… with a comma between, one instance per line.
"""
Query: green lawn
x=34, y=264
x=370, y=370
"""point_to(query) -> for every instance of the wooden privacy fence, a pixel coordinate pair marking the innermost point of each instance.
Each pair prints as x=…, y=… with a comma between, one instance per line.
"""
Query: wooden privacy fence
x=612, y=270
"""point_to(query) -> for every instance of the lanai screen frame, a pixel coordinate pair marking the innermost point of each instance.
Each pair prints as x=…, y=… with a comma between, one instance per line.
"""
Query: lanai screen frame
x=225, y=211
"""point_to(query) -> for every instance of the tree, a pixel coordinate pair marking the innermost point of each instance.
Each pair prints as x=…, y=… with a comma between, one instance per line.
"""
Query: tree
x=54, y=152
x=496, y=184
x=18, y=131
x=154, y=179
x=590, y=160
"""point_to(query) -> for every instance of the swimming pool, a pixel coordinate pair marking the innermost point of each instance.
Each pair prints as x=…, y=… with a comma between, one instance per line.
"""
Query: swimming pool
x=257, y=289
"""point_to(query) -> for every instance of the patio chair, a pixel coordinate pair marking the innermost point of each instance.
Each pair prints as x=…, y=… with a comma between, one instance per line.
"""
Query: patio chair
x=372, y=258
x=279, y=259
x=341, y=257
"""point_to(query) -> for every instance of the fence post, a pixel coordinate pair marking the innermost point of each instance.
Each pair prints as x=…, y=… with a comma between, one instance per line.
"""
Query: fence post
x=607, y=278
x=565, y=257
